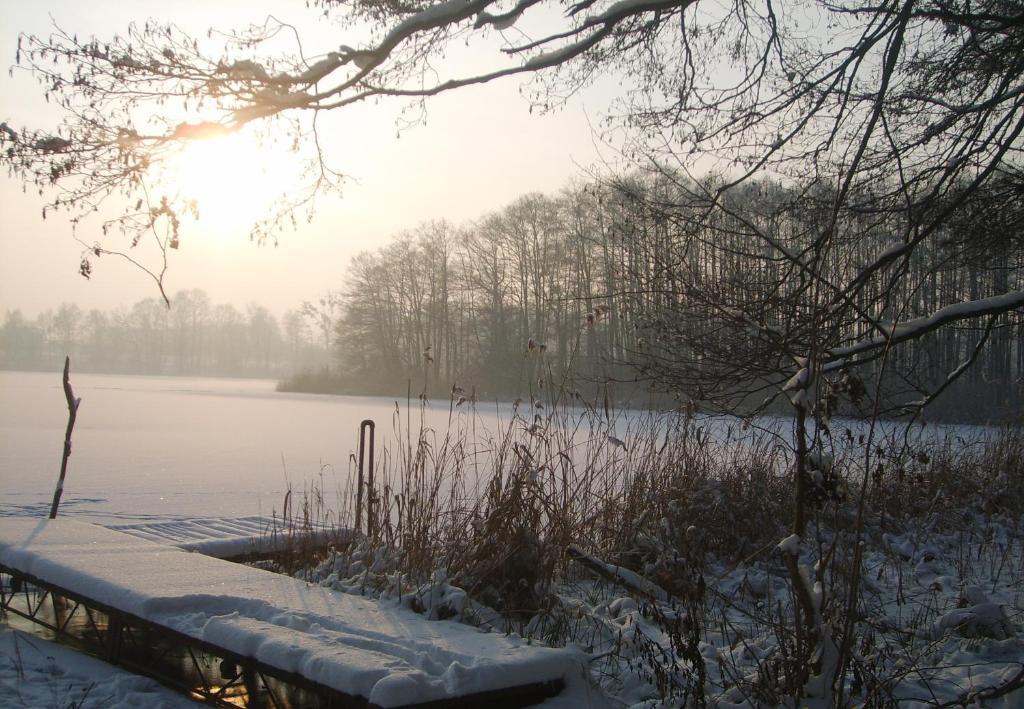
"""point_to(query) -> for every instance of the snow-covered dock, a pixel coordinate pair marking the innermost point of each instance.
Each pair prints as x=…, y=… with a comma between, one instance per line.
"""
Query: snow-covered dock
x=349, y=649
x=233, y=538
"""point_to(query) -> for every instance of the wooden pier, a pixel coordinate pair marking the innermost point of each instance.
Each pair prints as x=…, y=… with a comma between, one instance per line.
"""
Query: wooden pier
x=233, y=635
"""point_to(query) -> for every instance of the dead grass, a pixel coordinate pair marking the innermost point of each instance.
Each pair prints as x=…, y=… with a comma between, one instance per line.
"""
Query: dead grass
x=476, y=525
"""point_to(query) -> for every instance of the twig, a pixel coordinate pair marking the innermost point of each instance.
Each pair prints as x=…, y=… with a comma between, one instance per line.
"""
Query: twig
x=72, y=413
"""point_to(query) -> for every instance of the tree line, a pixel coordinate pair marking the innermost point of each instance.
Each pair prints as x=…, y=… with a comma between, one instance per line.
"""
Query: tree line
x=194, y=336
x=633, y=280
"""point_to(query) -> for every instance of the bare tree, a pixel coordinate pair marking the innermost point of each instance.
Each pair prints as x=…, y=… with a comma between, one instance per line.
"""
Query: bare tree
x=323, y=315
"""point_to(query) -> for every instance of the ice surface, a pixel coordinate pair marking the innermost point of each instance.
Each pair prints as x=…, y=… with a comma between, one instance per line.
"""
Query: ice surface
x=380, y=651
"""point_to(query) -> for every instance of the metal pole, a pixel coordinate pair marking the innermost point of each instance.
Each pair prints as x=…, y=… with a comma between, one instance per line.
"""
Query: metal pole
x=366, y=476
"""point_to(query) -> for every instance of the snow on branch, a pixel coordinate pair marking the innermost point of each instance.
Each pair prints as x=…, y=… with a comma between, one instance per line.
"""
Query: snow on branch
x=622, y=576
x=912, y=329
x=505, y=20
x=587, y=34
x=433, y=17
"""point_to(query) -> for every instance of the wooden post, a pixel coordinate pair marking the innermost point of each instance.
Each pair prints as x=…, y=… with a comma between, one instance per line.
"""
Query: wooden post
x=72, y=413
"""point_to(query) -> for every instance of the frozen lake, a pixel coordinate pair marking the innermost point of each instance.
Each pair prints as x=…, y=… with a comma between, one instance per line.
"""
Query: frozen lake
x=154, y=448
x=163, y=447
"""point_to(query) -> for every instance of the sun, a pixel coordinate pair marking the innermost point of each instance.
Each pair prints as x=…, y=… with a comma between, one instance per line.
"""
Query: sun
x=234, y=179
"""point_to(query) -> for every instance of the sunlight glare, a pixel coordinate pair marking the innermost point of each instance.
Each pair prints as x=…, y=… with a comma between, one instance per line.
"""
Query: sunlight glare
x=233, y=178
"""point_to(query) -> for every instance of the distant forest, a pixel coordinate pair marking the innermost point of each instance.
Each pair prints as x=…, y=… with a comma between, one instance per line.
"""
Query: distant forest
x=596, y=283
x=193, y=337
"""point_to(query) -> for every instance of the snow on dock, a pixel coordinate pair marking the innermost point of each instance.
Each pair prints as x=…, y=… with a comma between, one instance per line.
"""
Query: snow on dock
x=226, y=538
x=359, y=647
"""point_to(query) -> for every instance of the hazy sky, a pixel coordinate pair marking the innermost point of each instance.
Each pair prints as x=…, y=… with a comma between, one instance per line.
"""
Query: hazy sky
x=480, y=149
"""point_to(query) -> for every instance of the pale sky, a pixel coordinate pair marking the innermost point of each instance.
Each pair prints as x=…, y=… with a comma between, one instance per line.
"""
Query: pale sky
x=480, y=149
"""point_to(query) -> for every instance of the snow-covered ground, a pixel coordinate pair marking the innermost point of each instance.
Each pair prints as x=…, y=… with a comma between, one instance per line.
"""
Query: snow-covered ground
x=943, y=608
